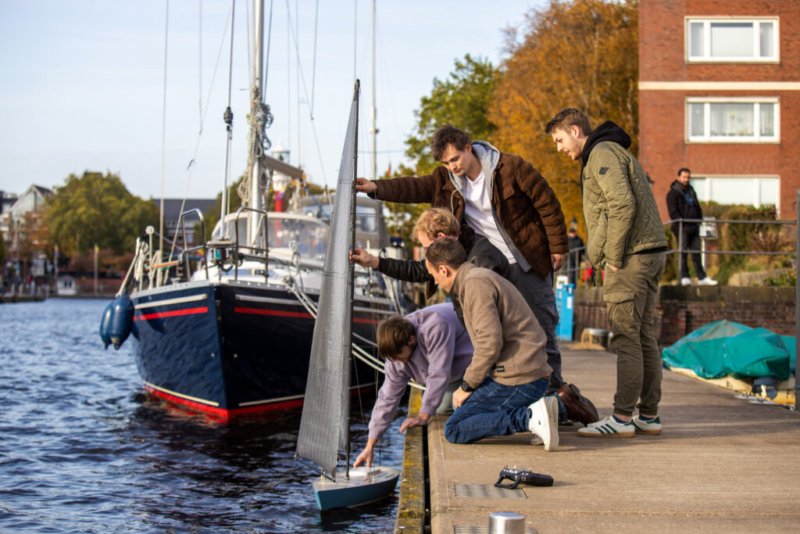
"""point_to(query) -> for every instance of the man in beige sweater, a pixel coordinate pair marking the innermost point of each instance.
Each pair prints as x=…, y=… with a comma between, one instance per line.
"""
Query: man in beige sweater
x=503, y=387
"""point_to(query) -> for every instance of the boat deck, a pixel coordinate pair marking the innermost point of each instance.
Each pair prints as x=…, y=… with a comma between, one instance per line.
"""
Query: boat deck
x=721, y=464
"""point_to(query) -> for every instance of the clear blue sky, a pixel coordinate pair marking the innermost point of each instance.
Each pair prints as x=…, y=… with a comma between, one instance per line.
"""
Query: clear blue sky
x=81, y=83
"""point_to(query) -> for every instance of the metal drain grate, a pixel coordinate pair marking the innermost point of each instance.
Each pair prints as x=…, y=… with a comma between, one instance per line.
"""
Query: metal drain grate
x=461, y=529
x=487, y=491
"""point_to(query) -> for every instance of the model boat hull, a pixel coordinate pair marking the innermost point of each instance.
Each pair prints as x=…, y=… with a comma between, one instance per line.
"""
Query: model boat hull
x=364, y=485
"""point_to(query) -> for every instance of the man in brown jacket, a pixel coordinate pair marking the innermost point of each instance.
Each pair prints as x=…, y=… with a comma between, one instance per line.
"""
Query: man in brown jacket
x=503, y=387
x=504, y=198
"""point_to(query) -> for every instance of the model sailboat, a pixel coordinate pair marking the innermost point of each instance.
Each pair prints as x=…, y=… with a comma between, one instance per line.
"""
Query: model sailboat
x=324, y=427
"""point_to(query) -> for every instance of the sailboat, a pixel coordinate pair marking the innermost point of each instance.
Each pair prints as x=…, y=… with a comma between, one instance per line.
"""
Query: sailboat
x=230, y=335
x=324, y=426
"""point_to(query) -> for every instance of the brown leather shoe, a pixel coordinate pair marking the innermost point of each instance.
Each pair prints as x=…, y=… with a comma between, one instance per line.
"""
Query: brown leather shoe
x=579, y=408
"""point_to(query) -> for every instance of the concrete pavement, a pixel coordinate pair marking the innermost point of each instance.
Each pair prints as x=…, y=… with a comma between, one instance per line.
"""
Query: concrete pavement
x=720, y=465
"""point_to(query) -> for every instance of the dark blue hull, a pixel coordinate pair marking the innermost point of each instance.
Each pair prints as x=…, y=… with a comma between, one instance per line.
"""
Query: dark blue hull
x=231, y=350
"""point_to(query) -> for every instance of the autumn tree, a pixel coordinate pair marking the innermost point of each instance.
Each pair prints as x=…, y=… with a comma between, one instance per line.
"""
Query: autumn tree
x=96, y=209
x=581, y=54
x=461, y=100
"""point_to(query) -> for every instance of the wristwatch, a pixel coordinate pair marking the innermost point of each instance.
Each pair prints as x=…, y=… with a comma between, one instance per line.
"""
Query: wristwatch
x=466, y=387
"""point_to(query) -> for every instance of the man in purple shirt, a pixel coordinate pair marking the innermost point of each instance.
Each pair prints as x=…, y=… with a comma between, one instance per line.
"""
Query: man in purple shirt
x=430, y=346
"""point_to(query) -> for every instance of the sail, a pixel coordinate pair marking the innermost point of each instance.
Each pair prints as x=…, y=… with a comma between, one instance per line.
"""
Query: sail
x=324, y=423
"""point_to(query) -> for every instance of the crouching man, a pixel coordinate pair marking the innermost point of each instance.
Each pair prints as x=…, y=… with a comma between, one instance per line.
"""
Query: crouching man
x=503, y=387
x=429, y=346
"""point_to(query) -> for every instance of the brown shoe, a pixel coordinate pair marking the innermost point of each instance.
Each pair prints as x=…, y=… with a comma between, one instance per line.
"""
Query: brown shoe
x=579, y=408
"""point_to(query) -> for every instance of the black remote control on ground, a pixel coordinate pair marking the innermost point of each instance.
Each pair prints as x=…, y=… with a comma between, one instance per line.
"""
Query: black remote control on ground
x=524, y=476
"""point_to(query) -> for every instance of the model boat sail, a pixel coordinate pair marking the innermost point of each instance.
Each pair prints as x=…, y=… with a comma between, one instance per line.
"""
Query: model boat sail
x=324, y=427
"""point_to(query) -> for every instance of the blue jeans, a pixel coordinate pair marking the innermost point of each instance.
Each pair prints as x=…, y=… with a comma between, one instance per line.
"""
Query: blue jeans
x=494, y=410
x=538, y=293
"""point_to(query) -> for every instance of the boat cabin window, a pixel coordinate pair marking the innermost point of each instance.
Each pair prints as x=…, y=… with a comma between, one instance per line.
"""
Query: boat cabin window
x=310, y=235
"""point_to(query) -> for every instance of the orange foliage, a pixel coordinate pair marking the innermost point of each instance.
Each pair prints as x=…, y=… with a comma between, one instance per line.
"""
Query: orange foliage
x=581, y=54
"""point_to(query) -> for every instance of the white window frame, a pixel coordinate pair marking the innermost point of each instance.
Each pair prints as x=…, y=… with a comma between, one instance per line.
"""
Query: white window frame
x=757, y=138
x=706, y=58
x=703, y=185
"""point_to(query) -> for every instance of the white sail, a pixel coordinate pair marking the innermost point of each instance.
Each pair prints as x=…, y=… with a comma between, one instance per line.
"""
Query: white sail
x=324, y=423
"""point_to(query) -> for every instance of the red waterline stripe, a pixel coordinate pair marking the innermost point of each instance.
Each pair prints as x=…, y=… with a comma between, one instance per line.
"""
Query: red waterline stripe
x=299, y=315
x=223, y=415
x=275, y=313
x=171, y=313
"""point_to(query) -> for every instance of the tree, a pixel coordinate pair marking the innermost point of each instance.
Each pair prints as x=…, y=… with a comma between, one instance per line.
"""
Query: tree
x=462, y=100
x=580, y=54
x=96, y=209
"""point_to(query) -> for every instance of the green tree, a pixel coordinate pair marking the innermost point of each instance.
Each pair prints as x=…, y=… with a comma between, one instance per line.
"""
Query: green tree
x=96, y=209
x=581, y=54
x=461, y=100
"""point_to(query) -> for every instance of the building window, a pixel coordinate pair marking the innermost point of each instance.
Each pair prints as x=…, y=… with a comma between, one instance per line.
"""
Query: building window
x=748, y=190
x=734, y=40
x=732, y=120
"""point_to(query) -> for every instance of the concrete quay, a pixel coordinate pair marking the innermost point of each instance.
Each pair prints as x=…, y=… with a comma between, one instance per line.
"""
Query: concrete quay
x=721, y=464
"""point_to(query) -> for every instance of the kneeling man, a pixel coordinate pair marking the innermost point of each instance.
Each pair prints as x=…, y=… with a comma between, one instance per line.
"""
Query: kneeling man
x=503, y=387
x=429, y=346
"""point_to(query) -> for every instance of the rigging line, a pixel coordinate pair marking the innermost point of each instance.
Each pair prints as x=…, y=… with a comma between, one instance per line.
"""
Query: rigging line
x=163, y=132
x=297, y=55
x=228, y=117
x=210, y=93
x=266, y=58
x=314, y=64
x=200, y=61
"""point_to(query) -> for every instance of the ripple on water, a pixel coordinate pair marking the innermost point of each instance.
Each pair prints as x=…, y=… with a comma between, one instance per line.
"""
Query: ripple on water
x=84, y=450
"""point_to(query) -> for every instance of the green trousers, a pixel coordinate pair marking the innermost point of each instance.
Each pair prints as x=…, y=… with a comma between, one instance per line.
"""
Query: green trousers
x=630, y=296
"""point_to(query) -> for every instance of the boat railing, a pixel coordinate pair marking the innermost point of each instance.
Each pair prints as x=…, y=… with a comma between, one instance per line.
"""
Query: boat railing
x=184, y=254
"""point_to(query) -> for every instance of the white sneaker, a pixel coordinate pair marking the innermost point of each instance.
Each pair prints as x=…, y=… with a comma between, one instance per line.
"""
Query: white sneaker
x=707, y=281
x=544, y=421
x=608, y=428
x=686, y=281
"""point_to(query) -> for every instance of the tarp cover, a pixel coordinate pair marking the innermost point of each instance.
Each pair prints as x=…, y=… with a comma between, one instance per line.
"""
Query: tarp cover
x=725, y=348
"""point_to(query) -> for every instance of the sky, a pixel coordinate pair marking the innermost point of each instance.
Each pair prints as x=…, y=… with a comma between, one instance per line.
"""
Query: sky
x=82, y=84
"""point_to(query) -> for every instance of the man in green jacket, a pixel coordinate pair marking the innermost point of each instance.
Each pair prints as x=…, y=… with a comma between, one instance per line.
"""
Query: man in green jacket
x=626, y=238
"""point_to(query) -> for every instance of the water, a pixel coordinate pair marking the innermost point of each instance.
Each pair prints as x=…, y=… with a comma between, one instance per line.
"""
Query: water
x=83, y=449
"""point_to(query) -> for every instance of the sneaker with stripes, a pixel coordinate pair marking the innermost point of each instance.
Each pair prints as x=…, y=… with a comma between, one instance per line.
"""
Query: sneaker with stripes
x=608, y=428
x=648, y=426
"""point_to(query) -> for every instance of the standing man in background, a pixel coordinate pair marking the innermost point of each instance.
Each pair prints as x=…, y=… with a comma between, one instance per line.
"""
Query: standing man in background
x=624, y=235
x=682, y=203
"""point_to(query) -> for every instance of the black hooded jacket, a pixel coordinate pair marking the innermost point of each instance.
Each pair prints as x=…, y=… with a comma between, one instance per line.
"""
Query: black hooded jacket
x=608, y=131
x=682, y=203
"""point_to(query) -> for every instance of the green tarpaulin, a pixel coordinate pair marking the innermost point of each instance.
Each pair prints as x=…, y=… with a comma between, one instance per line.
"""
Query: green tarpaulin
x=725, y=348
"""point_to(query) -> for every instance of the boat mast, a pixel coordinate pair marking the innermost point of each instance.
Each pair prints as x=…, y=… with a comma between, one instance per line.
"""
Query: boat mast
x=256, y=101
x=374, y=130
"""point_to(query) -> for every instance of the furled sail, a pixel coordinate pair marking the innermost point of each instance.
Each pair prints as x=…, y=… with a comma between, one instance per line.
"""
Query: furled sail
x=324, y=423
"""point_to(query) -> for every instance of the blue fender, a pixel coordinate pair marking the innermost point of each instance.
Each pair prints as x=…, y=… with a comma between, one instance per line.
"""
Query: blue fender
x=121, y=320
x=105, y=323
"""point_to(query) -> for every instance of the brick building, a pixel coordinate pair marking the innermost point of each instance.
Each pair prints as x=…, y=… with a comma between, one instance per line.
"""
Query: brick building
x=719, y=92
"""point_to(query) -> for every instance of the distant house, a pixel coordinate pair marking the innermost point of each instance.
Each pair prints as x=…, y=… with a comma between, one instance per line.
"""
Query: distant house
x=6, y=201
x=719, y=92
x=172, y=212
x=21, y=222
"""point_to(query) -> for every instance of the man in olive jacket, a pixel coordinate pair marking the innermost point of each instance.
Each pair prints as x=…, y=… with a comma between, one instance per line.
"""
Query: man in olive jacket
x=503, y=388
x=505, y=199
x=625, y=236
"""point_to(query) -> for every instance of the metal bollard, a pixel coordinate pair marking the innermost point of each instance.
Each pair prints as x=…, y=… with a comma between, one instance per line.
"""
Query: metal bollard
x=506, y=523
